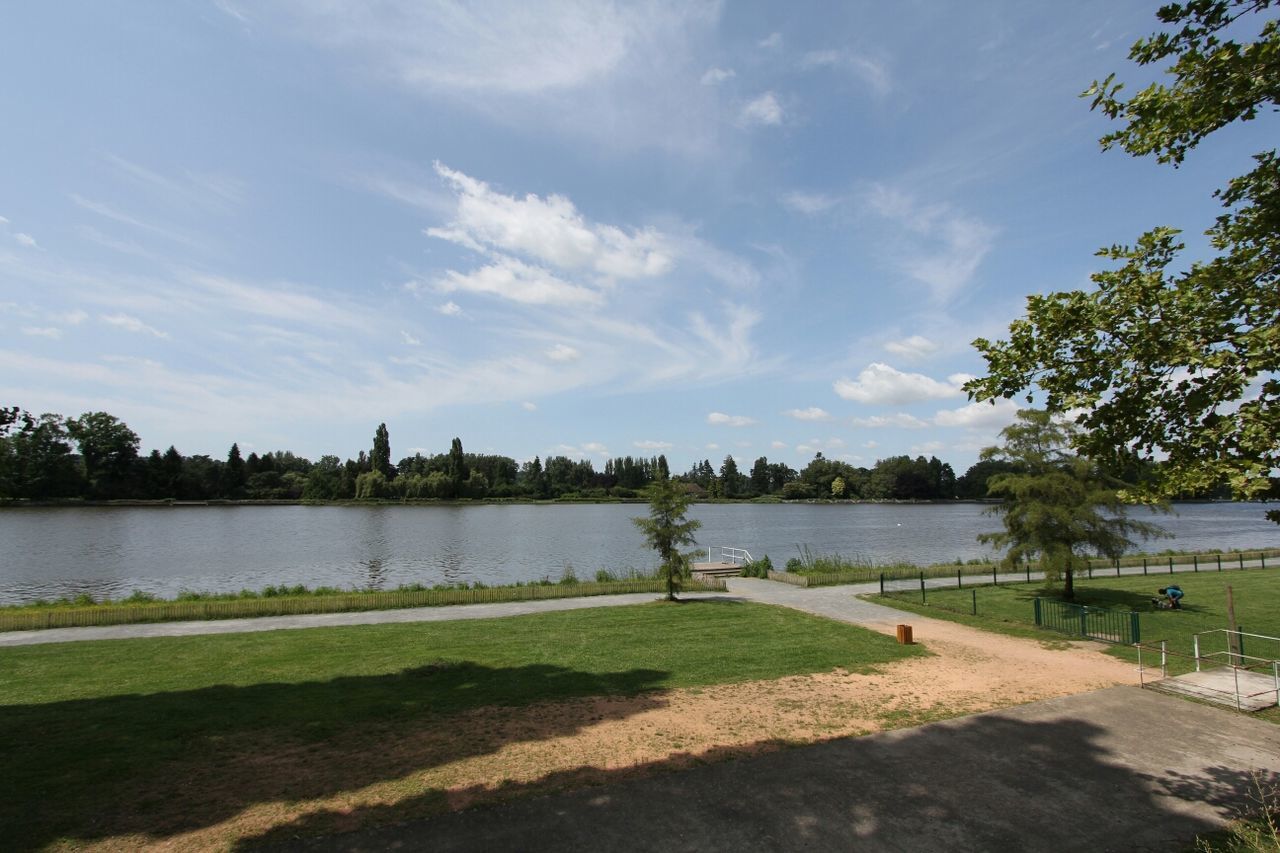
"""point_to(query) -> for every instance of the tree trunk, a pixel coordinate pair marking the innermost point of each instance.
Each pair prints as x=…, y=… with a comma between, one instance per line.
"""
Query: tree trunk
x=1068, y=585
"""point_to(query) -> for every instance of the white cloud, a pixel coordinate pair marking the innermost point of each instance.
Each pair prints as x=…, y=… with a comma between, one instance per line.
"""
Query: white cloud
x=511, y=48
x=713, y=446
x=814, y=445
x=778, y=445
x=901, y=420
x=42, y=332
x=914, y=347
x=449, y=309
x=111, y=213
x=26, y=240
x=4, y=220
x=979, y=415
x=942, y=247
x=529, y=407
x=770, y=41
x=927, y=447
x=716, y=76
x=871, y=445
x=515, y=280
x=813, y=413
x=410, y=339
x=870, y=71
x=649, y=444
x=590, y=448
x=721, y=419
x=71, y=318
x=131, y=324
x=763, y=110
x=563, y=352
x=880, y=384
x=550, y=230
x=810, y=203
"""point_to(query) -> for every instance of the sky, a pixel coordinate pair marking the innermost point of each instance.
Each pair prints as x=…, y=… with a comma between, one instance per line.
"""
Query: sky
x=579, y=228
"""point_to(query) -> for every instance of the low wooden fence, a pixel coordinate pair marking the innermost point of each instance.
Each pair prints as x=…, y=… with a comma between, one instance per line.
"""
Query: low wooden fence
x=28, y=619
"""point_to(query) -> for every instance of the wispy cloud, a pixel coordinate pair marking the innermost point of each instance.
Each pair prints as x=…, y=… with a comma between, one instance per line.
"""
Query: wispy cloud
x=716, y=76
x=721, y=419
x=109, y=212
x=939, y=246
x=131, y=324
x=810, y=203
x=51, y=332
x=874, y=73
x=550, y=230
x=763, y=110
x=563, y=352
x=813, y=413
x=649, y=444
x=512, y=279
x=915, y=346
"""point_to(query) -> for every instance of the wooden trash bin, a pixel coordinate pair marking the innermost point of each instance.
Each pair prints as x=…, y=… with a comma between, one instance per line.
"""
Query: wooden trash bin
x=904, y=635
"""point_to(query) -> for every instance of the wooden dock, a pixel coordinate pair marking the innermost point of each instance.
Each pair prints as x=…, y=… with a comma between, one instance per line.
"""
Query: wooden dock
x=1249, y=691
x=702, y=571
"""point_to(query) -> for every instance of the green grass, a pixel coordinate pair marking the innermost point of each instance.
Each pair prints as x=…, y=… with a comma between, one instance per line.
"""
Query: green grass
x=1008, y=607
x=293, y=601
x=159, y=736
x=811, y=569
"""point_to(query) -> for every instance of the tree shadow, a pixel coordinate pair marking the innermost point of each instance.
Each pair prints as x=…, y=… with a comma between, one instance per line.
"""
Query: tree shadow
x=159, y=765
x=998, y=781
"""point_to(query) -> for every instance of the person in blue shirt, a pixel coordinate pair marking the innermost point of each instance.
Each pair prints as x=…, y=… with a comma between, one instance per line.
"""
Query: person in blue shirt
x=1173, y=594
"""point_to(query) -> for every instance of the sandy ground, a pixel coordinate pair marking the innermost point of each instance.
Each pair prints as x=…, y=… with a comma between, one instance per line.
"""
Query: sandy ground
x=513, y=752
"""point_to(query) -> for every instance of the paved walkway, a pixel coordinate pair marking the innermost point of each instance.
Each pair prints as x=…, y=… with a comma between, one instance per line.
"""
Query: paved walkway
x=835, y=602
x=1117, y=769
x=320, y=620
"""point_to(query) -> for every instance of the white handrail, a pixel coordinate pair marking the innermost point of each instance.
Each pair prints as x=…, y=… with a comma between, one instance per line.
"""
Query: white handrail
x=736, y=556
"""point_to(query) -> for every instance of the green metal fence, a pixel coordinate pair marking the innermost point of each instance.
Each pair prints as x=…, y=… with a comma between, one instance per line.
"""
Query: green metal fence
x=1094, y=623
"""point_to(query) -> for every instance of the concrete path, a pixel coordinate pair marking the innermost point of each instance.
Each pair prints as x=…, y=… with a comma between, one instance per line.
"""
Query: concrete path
x=837, y=602
x=1118, y=769
x=834, y=602
x=320, y=620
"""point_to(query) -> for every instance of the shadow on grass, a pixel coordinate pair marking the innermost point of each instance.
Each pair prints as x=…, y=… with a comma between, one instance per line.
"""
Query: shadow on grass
x=989, y=782
x=163, y=764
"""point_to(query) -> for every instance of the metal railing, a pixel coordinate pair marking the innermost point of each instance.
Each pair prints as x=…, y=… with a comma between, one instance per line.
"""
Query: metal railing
x=1094, y=623
x=1234, y=654
x=1263, y=665
x=736, y=556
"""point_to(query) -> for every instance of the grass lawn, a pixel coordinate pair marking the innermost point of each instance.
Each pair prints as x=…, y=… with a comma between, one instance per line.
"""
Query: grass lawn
x=1009, y=608
x=154, y=737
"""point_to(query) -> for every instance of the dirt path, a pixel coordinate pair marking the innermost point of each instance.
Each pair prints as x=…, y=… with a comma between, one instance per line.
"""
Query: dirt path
x=566, y=745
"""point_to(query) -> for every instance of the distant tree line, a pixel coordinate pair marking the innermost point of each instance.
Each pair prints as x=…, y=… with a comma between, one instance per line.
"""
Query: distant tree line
x=96, y=457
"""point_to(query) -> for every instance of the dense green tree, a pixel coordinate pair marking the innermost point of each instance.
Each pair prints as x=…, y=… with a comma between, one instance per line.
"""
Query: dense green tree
x=380, y=458
x=760, y=476
x=324, y=480
x=458, y=471
x=666, y=529
x=35, y=458
x=1178, y=365
x=233, y=485
x=1057, y=507
x=973, y=485
x=732, y=483
x=108, y=449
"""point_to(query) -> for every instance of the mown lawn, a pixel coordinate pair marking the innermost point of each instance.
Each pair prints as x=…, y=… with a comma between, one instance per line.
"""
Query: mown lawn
x=131, y=737
x=1008, y=608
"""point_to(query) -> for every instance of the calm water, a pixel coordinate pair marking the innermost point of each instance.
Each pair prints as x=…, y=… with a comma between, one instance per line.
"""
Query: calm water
x=114, y=550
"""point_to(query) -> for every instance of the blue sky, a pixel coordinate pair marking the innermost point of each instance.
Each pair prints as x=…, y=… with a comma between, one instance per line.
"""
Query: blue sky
x=691, y=228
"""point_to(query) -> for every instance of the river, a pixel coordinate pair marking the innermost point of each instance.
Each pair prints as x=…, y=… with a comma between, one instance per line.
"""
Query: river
x=111, y=551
